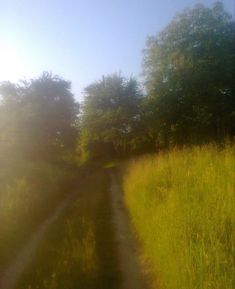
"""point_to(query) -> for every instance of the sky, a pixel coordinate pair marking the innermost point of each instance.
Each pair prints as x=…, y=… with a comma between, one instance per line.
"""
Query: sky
x=81, y=40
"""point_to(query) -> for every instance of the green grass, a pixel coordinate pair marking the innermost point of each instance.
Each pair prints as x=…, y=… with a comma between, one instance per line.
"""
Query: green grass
x=182, y=207
x=28, y=193
x=79, y=250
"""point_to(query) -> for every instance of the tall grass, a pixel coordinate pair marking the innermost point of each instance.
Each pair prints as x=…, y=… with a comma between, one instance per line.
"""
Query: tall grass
x=79, y=250
x=28, y=193
x=182, y=207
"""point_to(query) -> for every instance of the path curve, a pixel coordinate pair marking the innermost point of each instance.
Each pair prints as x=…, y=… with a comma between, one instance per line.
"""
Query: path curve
x=22, y=260
x=133, y=277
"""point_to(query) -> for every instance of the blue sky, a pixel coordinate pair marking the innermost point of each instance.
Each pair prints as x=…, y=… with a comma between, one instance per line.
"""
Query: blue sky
x=81, y=40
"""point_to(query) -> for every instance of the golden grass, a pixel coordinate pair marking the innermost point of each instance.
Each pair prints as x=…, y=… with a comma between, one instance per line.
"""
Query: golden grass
x=182, y=207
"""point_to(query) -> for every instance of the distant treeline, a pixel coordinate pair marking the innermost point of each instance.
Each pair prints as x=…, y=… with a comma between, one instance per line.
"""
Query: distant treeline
x=188, y=98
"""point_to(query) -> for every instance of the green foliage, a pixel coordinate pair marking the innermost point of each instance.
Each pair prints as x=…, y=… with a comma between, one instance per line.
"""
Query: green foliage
x=189, y=69
x=37, y=117
x=28, y=193
x=182, y=206
x=37, y=129
x=110, y=118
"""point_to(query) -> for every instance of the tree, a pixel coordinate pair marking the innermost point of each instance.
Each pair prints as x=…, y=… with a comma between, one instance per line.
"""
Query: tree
x=110, y=118
x=38, y=116
x=189, y=71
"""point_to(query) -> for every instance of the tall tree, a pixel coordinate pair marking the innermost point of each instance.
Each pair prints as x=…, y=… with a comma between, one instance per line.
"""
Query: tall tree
x=189, y=70
x=110, y=118
x=38, y=116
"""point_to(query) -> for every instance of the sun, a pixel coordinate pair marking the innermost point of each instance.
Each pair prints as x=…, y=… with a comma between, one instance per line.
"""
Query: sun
x=11, y=63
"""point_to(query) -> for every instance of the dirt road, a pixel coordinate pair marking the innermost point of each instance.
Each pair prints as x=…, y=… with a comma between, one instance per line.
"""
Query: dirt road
x=124, y=244
x=128, y=260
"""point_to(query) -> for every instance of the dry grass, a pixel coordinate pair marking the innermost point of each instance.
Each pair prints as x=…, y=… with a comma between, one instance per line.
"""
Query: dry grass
x=182, y=207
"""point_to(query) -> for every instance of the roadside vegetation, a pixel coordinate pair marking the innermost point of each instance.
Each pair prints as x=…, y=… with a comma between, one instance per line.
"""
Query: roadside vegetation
x=36, y=171
x=29, y=195
x=182, y=205
x=80, y=250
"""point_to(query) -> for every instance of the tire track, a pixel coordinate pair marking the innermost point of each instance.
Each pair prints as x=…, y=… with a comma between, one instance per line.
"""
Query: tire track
x=22, y=260
x=132, y=275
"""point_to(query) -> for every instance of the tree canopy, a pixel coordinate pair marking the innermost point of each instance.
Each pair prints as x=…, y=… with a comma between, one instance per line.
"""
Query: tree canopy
x=189, y=74
x=37, y=117
x=110, y=117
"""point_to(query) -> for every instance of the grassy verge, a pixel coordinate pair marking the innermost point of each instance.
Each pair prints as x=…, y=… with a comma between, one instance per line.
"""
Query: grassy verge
x=79, y=250
x=182, y=207
x=28, y=193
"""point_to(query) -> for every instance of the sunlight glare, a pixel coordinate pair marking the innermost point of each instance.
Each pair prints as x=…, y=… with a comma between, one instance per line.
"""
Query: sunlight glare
x=11, y=63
